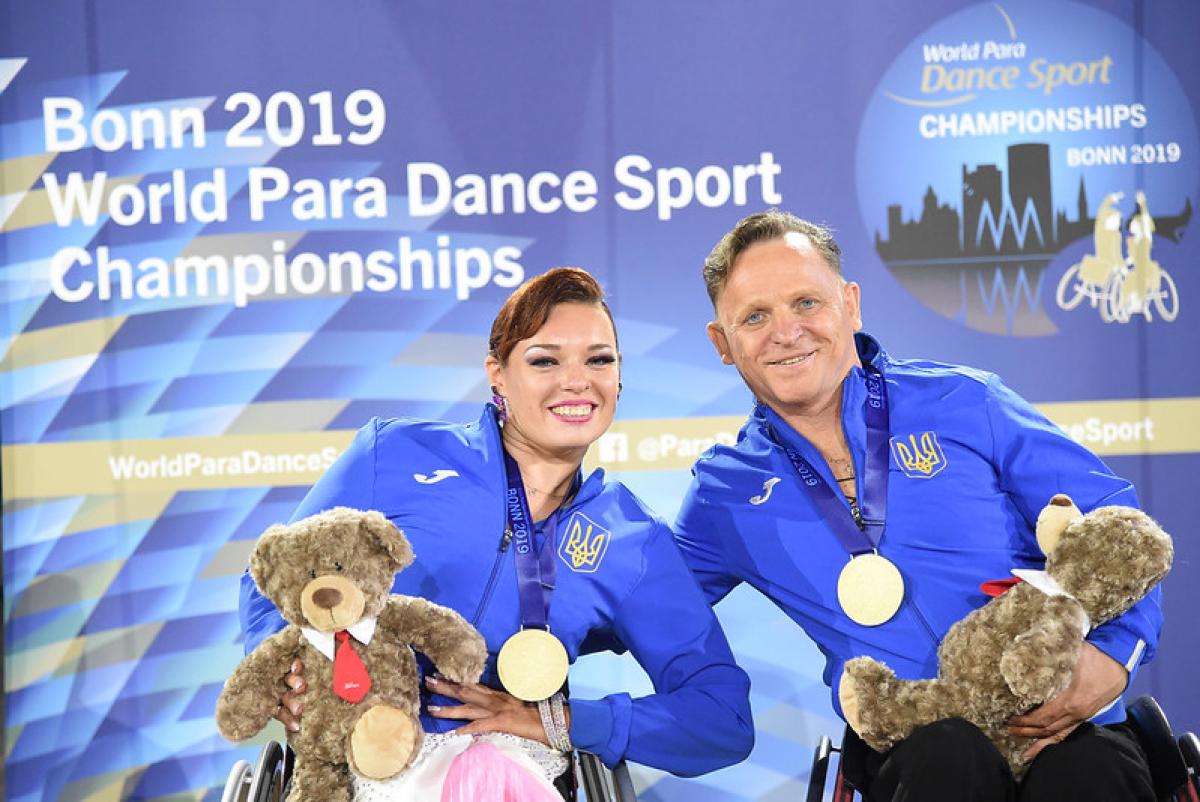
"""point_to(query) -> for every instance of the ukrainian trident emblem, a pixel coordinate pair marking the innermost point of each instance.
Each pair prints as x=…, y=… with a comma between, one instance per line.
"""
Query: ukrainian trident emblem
x=921, y=456
x=584, y=544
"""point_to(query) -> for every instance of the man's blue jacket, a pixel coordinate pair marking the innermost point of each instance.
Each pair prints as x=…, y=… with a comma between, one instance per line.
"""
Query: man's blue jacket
x=621, y=583
x=971, y=465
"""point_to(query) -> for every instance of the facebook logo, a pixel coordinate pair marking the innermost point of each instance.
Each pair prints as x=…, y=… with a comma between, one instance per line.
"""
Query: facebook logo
x=614, y=447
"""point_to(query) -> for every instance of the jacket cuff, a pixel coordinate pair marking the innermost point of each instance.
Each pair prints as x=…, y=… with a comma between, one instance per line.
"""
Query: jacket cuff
x=601, y=726
x=1126, y=648
x=1122, y=646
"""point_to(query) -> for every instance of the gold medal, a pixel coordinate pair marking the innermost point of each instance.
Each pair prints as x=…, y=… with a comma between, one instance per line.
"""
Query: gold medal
x=532, y=665
x=870, y=589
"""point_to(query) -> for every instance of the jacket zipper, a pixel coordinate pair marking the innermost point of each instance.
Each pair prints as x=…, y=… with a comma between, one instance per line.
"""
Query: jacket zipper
x=505, y=540
x=505, y=537
x=858, y=519
x=921, y=617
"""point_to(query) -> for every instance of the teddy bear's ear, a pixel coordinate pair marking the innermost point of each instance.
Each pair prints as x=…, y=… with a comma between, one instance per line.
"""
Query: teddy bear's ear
x=263, y=560
x=1054, y=519
x=389, y=538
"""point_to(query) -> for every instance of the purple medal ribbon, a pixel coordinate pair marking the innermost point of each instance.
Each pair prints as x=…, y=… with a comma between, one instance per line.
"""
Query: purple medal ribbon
x=535, y=567
x=861, y=536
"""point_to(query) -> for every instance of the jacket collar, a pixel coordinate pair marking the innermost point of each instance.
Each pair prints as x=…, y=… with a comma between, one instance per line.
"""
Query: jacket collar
x=870, y=352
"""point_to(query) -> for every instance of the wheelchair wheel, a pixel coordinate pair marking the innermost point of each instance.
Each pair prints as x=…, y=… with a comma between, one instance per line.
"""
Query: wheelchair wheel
x=237, y=787
x=1167, y=298
x=289, y=765
x=1167, y=767
x=820, y=769
x=1189, y=745
x=267, y=784
x=599, y=784
x=1065, y=286
x=623, y=783
x=1111, y=309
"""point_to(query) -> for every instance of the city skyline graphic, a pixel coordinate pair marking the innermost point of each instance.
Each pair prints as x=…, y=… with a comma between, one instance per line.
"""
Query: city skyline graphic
x=983, y=263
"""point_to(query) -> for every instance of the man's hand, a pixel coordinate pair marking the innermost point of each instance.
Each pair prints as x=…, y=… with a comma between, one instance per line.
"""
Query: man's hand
x=1098, y=680
x=489, y=710
x=290, y=704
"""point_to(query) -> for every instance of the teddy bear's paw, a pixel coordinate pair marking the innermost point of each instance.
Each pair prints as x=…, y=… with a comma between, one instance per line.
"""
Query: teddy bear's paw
x=849, y=701
x=465, y=668
x=235, y=725
x=1020, y=680
x=864, y=681
x=867, y=671
x=383, y=742
x=1032, y=680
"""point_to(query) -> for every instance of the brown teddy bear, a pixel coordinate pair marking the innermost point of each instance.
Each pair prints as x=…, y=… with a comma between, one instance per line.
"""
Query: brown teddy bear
x=1019, y=649
x=331, y=575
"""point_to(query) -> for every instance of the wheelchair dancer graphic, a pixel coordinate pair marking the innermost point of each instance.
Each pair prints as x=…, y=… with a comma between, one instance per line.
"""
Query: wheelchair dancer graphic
x=1134, y=290
x=1091, y=275
x=1120, y=286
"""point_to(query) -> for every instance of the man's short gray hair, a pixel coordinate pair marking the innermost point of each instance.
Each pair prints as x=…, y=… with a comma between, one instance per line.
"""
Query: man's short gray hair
x=763, y=227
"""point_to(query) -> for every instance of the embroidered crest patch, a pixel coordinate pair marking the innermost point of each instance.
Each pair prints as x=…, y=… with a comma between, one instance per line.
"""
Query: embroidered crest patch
x=920, y=456
x=583, y=544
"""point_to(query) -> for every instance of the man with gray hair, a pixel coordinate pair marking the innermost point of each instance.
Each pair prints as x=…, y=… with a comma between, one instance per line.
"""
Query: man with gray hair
x=869, y=497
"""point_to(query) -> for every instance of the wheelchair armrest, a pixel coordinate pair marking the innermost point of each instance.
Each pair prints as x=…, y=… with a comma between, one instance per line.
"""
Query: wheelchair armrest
x=1167, y=768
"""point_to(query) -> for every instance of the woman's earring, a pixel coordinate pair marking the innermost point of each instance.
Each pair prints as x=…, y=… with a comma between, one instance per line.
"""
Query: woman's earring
x=619, y=386
x=501, y=406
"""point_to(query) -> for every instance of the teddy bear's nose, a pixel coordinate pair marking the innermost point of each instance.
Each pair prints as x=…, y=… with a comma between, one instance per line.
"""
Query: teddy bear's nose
x=1060, y=501
x=327, y=598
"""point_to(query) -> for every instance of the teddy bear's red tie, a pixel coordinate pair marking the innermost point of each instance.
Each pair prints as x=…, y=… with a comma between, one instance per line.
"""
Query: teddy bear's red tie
x=350, y=679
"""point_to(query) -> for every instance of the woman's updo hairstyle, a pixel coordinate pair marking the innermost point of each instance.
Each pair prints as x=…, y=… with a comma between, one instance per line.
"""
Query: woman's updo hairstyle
x=528, y=309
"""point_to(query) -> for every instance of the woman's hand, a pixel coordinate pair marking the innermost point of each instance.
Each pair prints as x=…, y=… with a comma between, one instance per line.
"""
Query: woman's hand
x=489, y=710
x=290, y=704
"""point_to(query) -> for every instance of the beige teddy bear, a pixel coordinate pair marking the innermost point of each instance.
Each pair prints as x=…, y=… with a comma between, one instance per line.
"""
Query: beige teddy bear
x=1020, y=649
x=331, y=576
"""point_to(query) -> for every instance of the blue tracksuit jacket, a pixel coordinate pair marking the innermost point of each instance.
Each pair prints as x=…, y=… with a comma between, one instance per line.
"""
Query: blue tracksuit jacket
x=621, y=585
x=971, y=465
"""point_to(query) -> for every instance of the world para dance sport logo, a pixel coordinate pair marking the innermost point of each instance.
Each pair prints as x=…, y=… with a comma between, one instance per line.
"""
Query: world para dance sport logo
x=1011, y=136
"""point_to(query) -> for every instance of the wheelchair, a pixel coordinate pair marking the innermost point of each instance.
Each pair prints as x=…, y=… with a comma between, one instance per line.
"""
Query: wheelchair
x=269, y=779
x=1174, y=764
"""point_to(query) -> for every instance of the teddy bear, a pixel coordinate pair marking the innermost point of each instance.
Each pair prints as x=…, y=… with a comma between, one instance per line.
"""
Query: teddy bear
x=1019, y=649
x=331, y=576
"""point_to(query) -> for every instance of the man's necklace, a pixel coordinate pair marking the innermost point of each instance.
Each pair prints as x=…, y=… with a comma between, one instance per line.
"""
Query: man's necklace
x=533, y=489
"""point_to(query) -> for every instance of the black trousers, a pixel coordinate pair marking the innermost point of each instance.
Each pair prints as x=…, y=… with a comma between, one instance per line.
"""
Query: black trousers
x=952, y=761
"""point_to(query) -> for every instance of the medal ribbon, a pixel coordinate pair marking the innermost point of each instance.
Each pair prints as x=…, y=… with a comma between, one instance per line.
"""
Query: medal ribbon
x=535, y=567
x=873, y=502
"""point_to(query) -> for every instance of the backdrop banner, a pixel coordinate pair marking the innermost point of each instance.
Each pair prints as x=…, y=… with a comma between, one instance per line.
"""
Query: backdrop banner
x=232, y=232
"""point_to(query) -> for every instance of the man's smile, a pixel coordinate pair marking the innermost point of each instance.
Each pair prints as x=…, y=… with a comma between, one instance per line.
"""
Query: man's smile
x=791, y=360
